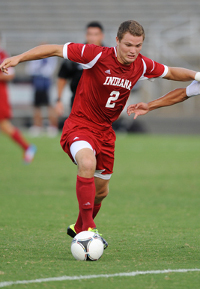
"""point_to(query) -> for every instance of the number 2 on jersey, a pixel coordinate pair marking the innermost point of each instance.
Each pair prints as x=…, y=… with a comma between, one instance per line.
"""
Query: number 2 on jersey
x=112, y=98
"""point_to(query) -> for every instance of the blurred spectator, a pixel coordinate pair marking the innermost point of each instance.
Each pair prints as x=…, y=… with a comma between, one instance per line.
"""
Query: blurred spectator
x=71, y=70
x=6, y=113
x=42, y=72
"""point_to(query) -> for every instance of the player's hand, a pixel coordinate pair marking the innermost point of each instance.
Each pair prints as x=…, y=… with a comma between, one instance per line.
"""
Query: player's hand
x=59, y=107
x=9, y=62
x=140, y=108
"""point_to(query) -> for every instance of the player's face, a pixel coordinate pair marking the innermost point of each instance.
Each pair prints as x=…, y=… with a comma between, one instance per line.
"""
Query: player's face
x=128, y=48
x=94, y=35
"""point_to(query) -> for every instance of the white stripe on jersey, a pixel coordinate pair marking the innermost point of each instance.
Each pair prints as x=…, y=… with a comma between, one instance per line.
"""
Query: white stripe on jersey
x=115, y=51
x=144, y=70
x=92, y=62
x=84, y=66
x=82, y=50
x=65, y=50
x=153, y=65
x=165, y=71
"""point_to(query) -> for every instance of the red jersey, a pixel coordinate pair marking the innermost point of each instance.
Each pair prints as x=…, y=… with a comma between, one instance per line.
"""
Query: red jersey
x=3, y=85
x=5, y=110
x=106, y=84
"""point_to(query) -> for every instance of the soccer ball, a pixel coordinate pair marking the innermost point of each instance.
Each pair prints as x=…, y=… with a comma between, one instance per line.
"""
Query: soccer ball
x=87, y=246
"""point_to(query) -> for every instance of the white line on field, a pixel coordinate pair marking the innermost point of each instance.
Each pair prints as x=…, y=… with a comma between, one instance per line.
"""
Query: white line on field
x=71, y=278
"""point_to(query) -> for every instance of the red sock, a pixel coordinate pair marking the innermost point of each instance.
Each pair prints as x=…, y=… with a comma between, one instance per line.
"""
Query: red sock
x=79, y=224
x=96, y=209
x=18, y=138
x=85, y=191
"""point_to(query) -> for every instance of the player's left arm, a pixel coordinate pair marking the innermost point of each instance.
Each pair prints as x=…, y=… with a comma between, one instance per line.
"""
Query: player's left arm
x=171, y=98
x=182, y=74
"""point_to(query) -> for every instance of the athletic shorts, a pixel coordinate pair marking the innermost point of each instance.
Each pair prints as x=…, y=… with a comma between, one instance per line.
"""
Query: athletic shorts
x=41, y=98
x=102, y=142
x=5, y=109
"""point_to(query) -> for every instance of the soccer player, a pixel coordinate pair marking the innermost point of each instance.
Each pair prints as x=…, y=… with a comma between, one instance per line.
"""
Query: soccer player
x=72, y=70
x=108, y=76
x=5, y=115
x=176, y=96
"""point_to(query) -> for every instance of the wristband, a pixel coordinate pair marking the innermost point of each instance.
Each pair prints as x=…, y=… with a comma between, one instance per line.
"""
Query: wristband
x=197, y=76
x=58, y=99
x=193, y=89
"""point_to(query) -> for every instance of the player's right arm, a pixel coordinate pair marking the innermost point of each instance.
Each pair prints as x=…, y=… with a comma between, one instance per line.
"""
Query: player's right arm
x=39, y=52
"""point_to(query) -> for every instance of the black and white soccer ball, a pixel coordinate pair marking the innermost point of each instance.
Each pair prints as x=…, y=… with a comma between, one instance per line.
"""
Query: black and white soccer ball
x=87, y=246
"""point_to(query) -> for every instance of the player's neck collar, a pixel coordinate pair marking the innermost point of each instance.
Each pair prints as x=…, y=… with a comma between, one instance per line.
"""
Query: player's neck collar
x=115, y=49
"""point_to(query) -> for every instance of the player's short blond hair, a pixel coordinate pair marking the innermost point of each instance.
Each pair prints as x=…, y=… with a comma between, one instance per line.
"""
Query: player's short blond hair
x=131, y=26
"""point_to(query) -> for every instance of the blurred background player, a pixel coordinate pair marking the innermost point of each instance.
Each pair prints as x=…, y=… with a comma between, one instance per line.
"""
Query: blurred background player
x=42, y=72
x=71, y=70
x=5, y=114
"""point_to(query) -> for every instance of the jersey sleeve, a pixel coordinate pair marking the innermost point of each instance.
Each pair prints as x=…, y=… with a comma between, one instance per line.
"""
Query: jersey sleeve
x=153, y=69
x=85, y=54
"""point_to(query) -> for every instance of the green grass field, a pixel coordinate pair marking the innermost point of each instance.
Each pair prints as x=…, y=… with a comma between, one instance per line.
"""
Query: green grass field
x=151, y=217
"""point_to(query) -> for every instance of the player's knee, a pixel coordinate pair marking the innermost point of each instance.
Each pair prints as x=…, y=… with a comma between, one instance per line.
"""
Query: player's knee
x=88, y=164
x=86, y=167
x=101, y=194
